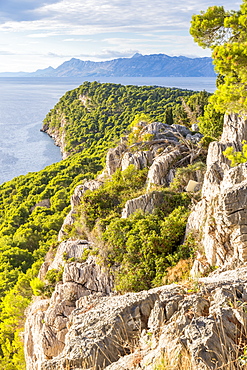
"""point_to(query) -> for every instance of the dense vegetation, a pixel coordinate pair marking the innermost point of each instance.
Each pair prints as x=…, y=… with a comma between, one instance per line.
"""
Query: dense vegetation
x=225, y=33
x=143, y=245
x=95, y=114
x=236, y=157
x=32, y=207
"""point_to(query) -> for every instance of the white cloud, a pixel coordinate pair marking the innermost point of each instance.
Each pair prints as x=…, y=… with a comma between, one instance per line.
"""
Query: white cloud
x=70, y=17
x=98, y=29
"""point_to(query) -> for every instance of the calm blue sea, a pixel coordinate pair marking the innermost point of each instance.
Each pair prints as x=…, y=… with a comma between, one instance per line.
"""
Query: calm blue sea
x=24, y=102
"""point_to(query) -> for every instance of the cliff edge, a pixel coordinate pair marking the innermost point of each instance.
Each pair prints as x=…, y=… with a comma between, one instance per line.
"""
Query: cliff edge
x=201, y=322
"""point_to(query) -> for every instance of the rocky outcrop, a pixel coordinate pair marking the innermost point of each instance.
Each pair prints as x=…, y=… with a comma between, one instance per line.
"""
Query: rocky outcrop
x=114, y=158
x=48, y=319
x=67, y=250
x=140, y=159
x=160, y=131
x=204, y=324
x=170, y=132
x=75, y=201
x=80, y=190
x=221, y=216
x=145, y=203
x=164, y=137
x=159, y=173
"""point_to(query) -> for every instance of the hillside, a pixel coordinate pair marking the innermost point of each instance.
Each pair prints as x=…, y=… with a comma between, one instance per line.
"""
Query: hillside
x=125, y=233
x=86, y=122
x=154, y=65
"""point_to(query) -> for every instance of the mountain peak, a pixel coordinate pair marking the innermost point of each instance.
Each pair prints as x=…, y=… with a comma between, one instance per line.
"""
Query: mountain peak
x=154, y=65
x=136, y=55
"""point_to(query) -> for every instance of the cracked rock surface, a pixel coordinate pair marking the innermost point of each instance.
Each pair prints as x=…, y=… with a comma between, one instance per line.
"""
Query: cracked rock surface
x=221, y=216
x=48, y=319
x=206, y=322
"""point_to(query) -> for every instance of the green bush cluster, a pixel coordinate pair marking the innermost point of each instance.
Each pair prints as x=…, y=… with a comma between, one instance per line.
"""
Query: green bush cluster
x=140, y=245
x=236, y=157
x=109, y=199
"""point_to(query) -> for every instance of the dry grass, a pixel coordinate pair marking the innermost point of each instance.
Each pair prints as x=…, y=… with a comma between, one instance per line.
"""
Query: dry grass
x=174, y=362
x=234, y=359
x=179, y=272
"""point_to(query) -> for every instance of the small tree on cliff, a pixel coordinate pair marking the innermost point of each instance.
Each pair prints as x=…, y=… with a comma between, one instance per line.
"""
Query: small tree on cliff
x=225, y=32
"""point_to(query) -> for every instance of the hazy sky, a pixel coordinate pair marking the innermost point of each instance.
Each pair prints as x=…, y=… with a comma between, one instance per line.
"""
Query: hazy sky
x=39, y=33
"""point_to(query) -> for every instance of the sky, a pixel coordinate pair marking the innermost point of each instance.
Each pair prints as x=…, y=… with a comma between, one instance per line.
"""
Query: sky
x=36, y=34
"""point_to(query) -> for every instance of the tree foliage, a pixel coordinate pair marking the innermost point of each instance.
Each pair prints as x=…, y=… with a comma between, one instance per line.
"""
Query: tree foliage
x=236, y=157
x=225, y=32
x=211, y=123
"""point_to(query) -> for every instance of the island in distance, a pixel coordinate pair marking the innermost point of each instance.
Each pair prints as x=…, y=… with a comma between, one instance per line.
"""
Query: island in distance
x=154, y=65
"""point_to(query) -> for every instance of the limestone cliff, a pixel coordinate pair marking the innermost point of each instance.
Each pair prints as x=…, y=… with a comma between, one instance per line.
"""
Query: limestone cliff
x=48, y=319
x=220, y=218
x=202, y=325
x=58, y=135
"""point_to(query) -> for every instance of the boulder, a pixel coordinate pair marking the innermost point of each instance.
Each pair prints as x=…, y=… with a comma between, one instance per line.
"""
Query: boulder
x=114, y=158
x=145, y=203
x=140, y=159
x=158, y=173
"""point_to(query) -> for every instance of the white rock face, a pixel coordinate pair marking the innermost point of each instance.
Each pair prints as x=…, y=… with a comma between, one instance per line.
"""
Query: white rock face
x=139, y=159
x=75, y=201
x=80, y=190
x=103, y=330
x=146, y=203
x=48, y=319
x=114, y=158
x=221, y=216
x=159, y=171
x=33, y=332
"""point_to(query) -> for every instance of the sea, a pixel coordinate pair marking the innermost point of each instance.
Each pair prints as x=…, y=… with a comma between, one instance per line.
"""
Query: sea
x=24, y=103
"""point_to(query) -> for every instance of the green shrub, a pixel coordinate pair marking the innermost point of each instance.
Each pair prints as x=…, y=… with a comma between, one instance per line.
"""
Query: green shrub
x=38, y=286
x=184, y=174
x=211, y=123
x=140, y=245
x=236, y=157
x=53, y=276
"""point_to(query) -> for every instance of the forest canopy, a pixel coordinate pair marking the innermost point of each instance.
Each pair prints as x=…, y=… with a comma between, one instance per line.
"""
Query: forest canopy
x=225, y=33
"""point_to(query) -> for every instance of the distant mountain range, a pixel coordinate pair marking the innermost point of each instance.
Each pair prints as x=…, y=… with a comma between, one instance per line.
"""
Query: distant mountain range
x=154, y=65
